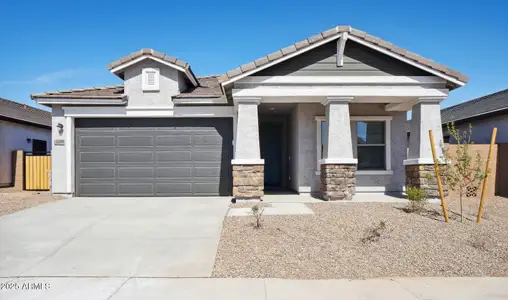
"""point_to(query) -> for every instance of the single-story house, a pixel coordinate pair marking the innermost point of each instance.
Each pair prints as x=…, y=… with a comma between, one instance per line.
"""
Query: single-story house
x=22, y=127
x=483, y=114
x=325, y=115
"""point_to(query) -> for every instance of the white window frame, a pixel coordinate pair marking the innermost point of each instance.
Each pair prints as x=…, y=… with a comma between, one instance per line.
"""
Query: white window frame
x=388, y=158
x=144, y=79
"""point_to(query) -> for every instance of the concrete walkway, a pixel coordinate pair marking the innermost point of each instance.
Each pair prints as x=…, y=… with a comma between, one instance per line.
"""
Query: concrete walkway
x=118, y=288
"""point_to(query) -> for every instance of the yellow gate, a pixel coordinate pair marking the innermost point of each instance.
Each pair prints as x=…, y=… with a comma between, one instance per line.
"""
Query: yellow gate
x=37, y=172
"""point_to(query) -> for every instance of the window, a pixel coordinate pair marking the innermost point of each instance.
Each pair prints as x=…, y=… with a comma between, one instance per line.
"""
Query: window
x=371, y=142
x=150, y=78
x=39, y=146
x=371, y=145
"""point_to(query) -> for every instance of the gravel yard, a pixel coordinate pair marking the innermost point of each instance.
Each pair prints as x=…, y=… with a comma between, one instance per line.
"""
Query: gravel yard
x=16, y=201
x=339, y=241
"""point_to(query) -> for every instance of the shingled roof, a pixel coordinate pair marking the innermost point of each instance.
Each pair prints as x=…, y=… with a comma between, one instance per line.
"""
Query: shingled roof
x=22, y=112
x=335, y=32
x=103, y=92
x=480, y=106
x=208, y=88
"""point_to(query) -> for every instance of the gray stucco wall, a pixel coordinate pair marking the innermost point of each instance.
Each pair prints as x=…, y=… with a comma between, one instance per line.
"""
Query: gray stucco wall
x=482, y=129
x=13, y=137
x=171, y=83
x=358, y=61
x=307, y=152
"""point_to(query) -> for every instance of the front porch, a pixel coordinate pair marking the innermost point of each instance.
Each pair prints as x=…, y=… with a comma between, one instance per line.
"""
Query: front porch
x=331, y=149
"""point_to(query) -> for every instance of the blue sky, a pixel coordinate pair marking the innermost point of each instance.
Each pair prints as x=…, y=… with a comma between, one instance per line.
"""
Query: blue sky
x=57, y=45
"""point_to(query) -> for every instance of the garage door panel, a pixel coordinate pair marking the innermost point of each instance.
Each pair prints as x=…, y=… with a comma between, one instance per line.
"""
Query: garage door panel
x=135, y=189
x=135, y=141
x=97, y=189
x=171, y=156
x=207, y=171
x=135, y=157
x=153, y=157
x=135, y=172
x=207, y=140
x=174, y=189
x=174, y=172
x=97, y=141
x=97, y=157
x=98, y=173
x=174, y=140
x=204, y=156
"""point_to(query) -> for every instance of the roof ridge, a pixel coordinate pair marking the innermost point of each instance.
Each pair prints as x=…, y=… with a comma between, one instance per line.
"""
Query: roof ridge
x=474, y=99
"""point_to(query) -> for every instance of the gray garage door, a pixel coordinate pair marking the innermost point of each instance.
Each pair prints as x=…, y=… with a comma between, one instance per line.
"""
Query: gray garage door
x=154, y=157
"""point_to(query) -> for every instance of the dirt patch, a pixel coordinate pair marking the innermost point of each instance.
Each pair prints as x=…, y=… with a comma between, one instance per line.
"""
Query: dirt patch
x=366, y=240
x=16, y=201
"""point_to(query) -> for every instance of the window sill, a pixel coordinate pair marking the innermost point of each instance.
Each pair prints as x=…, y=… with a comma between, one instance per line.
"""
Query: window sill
x=366, y=172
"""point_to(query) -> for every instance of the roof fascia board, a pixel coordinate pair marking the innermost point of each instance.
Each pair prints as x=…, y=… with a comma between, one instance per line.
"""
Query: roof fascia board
x=83, y=101
x=406, y=60
x=143, y=57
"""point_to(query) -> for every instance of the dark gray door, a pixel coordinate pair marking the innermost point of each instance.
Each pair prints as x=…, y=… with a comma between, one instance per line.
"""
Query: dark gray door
x=154, y=157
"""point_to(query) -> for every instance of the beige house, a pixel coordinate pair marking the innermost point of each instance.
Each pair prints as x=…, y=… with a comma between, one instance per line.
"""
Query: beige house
x=323, y=116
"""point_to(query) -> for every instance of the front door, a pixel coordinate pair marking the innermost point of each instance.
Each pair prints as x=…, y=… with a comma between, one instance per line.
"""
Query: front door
x=271, y=139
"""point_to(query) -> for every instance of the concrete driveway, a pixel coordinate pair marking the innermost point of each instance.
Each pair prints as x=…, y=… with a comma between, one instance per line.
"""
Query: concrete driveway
x=124, y=237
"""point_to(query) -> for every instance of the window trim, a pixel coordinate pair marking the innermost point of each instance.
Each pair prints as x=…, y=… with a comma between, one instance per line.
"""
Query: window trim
x=144, y=79
x=387, y=119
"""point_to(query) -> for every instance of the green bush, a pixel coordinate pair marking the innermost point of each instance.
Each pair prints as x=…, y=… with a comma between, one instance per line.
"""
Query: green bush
x=417, y=198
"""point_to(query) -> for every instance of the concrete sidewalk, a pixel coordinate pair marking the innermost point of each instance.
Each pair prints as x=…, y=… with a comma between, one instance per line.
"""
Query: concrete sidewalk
x=119, y=288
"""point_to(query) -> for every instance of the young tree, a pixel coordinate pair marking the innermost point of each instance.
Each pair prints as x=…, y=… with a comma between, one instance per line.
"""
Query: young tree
x=461, y=172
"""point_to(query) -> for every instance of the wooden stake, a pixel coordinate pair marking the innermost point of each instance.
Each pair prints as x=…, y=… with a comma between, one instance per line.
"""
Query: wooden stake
x=438, y=177
x=487, y=172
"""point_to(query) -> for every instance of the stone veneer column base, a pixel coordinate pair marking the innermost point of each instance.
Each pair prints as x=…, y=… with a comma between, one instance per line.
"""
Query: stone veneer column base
x=338, y=181
x=248, y=181
x=424, y=177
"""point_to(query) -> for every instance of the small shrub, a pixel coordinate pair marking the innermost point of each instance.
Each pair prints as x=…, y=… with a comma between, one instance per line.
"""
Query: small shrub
x=417, y=199
x=257, y=212
x=374, y=234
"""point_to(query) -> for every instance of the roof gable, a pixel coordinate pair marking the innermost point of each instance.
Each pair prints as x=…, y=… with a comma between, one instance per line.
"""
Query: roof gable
x=118, y=66
x=334, y=34
x=358, y=60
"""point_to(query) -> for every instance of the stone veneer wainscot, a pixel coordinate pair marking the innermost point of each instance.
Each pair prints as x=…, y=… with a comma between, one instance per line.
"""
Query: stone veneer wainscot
x=424, y=177
x=338, y=181
x=248, y=181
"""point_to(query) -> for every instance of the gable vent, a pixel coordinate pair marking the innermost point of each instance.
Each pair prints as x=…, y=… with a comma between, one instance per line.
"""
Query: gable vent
x=150, y=77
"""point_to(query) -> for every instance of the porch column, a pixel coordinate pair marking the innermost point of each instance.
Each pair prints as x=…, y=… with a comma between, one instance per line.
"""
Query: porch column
x=338, y=167
x=426, y=115
x=248, y=167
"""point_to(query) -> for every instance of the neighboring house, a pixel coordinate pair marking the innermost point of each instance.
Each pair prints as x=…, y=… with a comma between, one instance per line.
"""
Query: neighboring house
x=22, y=127
x=483, y=114
x=325, y=115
